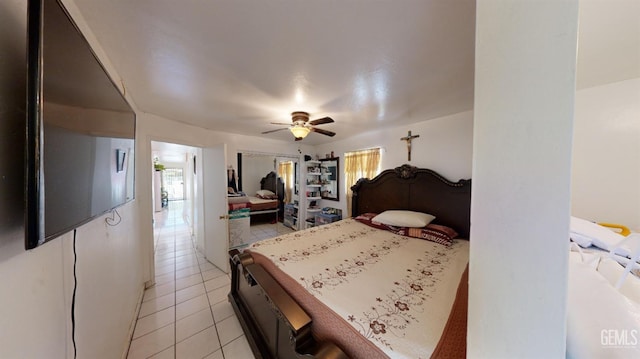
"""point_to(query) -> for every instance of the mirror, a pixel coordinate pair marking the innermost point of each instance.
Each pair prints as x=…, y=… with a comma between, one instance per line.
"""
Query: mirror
x=330, y=178
x=254, y=167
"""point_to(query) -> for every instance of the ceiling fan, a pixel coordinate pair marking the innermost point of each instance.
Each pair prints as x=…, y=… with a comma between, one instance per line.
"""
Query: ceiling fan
x=300, y=125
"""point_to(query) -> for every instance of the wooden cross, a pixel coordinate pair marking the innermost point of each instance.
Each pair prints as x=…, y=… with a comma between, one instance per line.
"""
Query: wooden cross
x=408, y=139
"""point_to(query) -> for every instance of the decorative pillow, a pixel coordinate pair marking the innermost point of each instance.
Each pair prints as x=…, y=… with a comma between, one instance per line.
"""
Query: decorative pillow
x=587, y=233
x=366, y=219
x=432, y=232
x=266, y=194
x=401, y=218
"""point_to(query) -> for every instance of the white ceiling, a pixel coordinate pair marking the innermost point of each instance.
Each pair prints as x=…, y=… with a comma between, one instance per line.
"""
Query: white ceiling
x=237, y=65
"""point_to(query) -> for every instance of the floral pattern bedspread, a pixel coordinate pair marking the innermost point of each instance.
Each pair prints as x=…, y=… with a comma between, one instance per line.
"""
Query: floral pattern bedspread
x=396, y=291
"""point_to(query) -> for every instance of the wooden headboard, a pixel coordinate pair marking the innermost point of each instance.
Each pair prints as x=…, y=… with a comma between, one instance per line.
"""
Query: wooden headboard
x=273, y=183
x=416, y=189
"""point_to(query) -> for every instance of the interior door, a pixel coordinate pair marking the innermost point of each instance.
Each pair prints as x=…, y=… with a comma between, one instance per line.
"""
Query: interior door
x=214, y=190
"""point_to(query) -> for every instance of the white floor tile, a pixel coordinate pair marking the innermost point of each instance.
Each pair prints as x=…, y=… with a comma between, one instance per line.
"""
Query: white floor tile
x=218, y=355
x=165, y=278
x=187, y=258
x=207, y=266
x=193, y=324
x=185, y=272
x=154, y=321
x=238, y=348
x=186, y=282
x=169, y=353
x=152, y=343
x=170, y=268
x=184, y=252
x=212, y=273
x=159, y=290
x=229, y=329
x=198, y=345
x=190, y=292
x=222, y=311
x=161, y=263
x=186, y=264
x=157, y=304
x=178, y=316
x=191, y=306
x=218, y=282
x=218, y=295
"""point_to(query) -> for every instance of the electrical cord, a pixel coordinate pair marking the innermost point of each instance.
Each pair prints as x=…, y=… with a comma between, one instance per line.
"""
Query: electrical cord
x=112, y=221
x=73, y=298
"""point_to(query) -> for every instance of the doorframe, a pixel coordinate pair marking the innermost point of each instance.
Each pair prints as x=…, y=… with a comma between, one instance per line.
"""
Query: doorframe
x=146, y=206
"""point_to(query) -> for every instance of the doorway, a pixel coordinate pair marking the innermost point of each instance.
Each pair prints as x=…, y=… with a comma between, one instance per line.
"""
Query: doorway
x=173, y=179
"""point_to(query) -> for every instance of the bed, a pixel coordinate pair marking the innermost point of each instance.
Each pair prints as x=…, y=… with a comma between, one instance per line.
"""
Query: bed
x=294, y=322
x=262, y=206
x=603, y=311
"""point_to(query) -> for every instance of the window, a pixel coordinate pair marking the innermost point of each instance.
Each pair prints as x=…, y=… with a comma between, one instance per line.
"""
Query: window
x=173, y=183
x=359, y=164
x=285, y=171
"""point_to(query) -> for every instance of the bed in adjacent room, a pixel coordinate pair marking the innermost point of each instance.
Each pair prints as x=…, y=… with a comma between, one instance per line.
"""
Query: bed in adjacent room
x=266, y=204
x=368, y=286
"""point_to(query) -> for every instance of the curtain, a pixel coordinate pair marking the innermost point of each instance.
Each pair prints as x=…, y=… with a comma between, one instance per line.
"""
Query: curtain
x=285, y=171
x=359, y=164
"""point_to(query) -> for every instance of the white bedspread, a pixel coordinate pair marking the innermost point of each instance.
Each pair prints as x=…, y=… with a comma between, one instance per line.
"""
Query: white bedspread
x=396, y=291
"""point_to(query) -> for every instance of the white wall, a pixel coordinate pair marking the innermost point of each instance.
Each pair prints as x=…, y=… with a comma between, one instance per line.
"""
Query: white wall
x=254, y=168
x=37, y=285
x=524, y=96
x=445, y=145
x=606, y=154
x=150, y=127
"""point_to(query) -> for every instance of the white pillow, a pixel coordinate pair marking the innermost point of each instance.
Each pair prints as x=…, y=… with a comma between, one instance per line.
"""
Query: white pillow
x=264, y=193
x=587, y=233
x=400, y=218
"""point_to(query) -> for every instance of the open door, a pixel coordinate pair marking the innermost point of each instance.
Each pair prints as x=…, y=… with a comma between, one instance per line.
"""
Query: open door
x=214, y=190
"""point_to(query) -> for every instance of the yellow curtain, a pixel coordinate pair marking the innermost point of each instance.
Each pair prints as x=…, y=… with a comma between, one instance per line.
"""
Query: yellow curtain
x=359, y=164
x=285, y=171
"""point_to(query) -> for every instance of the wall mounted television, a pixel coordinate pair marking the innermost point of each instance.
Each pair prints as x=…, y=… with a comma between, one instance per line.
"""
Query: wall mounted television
x=79, y=156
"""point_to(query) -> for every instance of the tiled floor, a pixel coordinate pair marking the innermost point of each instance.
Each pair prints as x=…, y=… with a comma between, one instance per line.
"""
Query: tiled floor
x=186, y=313
x=267, y=230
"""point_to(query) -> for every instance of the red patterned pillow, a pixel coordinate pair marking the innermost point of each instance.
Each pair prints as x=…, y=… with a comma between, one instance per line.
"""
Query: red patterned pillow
x=432, y=232
x=366, y=218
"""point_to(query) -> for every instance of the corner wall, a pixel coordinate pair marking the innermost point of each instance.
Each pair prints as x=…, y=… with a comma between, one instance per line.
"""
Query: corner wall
x=445, y=145
x=523, y=116
x=605, y=184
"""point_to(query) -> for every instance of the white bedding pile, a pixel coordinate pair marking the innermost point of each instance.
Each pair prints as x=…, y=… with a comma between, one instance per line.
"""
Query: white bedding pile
x=603, y=315
x=601, y=321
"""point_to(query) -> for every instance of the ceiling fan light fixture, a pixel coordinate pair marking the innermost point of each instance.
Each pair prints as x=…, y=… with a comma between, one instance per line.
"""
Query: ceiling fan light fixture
x=299, y=131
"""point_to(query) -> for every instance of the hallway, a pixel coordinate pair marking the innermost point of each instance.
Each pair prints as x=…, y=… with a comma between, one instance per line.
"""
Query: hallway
x=186, y=314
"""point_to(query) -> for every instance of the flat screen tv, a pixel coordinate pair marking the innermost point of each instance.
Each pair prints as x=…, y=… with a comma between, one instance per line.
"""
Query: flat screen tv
x=79, y=156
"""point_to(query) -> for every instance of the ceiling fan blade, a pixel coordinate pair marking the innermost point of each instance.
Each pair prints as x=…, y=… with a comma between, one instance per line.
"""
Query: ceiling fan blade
x=324, y=132
x=280, y=129
x=280, y=123
x=321, y=121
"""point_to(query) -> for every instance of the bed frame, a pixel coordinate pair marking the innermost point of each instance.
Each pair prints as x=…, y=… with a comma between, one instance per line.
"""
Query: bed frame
x=275, y=325
x=274, y=184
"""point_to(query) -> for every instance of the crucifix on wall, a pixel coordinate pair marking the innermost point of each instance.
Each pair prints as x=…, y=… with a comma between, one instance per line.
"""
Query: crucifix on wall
x=408, y=138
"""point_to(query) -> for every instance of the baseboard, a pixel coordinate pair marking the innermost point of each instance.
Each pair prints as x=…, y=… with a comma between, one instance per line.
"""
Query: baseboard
x=132, y=326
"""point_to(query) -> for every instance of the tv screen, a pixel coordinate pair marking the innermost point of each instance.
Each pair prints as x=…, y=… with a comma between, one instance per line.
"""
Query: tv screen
x=80, y=130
